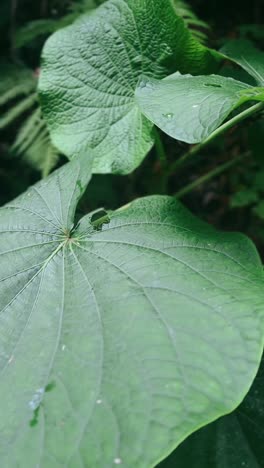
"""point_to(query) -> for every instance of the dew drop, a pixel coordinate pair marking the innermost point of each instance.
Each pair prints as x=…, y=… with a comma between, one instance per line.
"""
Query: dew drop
x=169, y=116
x=146, y=85
x=36, y=399
x=99, y=402
x=63, y=347
x=117, y=461
x=195, y=105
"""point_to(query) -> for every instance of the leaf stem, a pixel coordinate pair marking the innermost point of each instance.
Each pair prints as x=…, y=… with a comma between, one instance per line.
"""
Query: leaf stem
x=160, y=147
x=230, y=123
x=161, y=153
x=210, y=175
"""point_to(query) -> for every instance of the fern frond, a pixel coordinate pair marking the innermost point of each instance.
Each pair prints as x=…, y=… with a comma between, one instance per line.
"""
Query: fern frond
x=45, y=27
x=85, y=5
x=191, y=20
x=41, y=154
x=28, y=131
x=34, y=29
x=13, y=93
x=17, y=110
x=15, y=81
x=34, y=145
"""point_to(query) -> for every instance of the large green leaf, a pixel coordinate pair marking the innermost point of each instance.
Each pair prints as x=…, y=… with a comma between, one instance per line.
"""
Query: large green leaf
x=189, y=108
x=119, y=337
x=90, y=72
x=247, y=56
x=235, y=441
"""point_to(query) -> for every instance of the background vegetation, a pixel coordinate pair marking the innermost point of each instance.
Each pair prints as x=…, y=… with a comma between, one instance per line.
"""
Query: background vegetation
x=230, y=194
x=233, y=200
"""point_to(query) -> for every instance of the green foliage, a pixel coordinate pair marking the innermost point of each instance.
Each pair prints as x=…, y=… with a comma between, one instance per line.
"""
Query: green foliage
x=244, y=198
x=251, y=194
x=248, y=57
x=37, y=28
x=233, y=441
x=44, y=27
x=249, y=185
x=18, y=87
x=259, y=209
x=104, y=327
x=191, y=20
x=253, y=31
x=17, y=110
x=33, y=143
x=94, y=67
x=124, y=331
x=189, y=108
x=16, y=81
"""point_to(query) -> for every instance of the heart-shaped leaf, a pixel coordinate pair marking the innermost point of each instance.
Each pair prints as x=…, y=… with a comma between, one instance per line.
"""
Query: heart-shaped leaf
x=120, y=336
x=235, y=441
x=90, y=72
x=189, y=108
x=247, y=56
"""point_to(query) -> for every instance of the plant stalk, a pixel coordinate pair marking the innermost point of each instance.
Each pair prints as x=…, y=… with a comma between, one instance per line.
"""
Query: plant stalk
x=230, y=123
x=210, y=175
x=160, y=147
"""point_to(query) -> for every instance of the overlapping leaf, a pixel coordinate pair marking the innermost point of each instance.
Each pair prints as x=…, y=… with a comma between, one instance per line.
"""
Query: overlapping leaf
x=90, y=72
x=118, y=339
x=189, y=108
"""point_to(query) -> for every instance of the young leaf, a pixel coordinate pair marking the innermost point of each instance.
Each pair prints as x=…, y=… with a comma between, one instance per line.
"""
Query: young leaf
x=247, y=56
x=120, y=336
x=189, y=108
x=231, y=442
x=90, y=71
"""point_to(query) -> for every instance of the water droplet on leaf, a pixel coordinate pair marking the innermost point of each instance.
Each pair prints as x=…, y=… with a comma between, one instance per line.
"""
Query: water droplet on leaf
x=146, y=85
x=36, y=399
x=169, y=115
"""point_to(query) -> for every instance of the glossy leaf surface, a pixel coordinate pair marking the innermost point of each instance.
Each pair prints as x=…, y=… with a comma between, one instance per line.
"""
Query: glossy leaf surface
x=90, y=71
x=189, y=108
x=119, y=338
x=235, y=441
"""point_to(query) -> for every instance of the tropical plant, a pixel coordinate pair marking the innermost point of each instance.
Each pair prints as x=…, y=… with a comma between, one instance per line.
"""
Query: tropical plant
x=18, y=86
x=123, y=332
